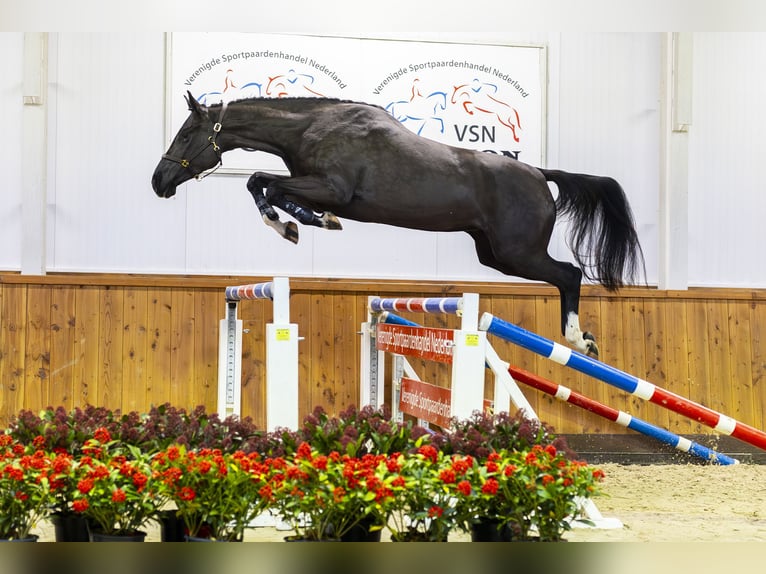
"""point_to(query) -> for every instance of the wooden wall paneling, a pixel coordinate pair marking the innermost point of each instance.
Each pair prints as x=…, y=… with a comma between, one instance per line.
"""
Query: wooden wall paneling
x=720, y=365
x=37, y=349
x=656, y=351
x=321, y=381
x=347, y=346
x=698, y=344
x=108, y=391
x=134, y=348
x=740, y=359
x=208, y=304
x=677, y=360
x=523, y=315
x=634, y=343
x=13, y=330
x=591, y=319
x=758, y=369
x=254, y=316
x=158, y=346
x=85, y=374
x=182, y=358
x=62, y=337
x=548, y=324
x=611, y=351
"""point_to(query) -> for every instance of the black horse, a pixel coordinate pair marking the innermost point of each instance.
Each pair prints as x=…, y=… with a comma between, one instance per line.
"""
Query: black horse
x=355, y=161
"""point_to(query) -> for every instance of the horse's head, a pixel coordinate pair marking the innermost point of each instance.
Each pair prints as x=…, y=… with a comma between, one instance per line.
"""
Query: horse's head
x=194, y=150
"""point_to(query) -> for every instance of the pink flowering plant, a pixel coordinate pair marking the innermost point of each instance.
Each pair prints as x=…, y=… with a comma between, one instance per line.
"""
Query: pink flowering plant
x=115, y=490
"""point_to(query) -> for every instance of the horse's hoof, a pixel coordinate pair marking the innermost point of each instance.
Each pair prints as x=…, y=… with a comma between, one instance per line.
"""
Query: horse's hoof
x=329, y=221
x=591, y=348
x=291, y=232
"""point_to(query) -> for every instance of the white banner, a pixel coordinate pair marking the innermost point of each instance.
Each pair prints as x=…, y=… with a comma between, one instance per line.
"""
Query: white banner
x=484, y=97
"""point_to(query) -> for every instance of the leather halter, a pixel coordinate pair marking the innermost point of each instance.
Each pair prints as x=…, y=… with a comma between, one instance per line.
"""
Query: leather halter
x=211, y=141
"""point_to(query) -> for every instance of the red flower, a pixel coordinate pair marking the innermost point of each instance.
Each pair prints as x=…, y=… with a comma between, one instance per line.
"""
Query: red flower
x=548, y=479
x=491, y=486
x=304, y=451
x=447, y=476
x=398, y=482
x=598, y=474
x=80, y=505
x=187, y=493
x=119, y=496
x=85, y=485
x=320, y=462
x=551, y=450
x=492, y=466
x=509, y=470
x=464, y=488
x=140, y=480
x=435, y=512
x=173, y=452
x=102, y=435
x=429, y=452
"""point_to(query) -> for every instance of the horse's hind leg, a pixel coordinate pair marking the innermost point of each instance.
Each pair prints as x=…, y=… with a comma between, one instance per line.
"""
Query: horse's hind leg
x=266, y=203
x=532, y=263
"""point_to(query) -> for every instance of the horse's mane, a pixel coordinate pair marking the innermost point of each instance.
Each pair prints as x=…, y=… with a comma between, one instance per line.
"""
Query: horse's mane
x=294, y=100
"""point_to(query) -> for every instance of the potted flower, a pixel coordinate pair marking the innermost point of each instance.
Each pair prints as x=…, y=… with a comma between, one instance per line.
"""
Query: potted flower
x=115, y=489
x=425, y=496
x=324, y=497
x=24, y=488
x=512, y=494
x=69, y=526
x=216, y=494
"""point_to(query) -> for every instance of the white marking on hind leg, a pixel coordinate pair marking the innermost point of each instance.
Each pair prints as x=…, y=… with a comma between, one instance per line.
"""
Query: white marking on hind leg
x=573, y=333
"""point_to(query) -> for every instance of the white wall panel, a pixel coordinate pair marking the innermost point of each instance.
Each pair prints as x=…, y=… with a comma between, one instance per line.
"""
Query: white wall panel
x=108, y=129
x=727, y=148
x=11, y=74
x=609, y=120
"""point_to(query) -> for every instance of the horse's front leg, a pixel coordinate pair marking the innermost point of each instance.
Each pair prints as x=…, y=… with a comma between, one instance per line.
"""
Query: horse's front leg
x=268, y=200
x=255, y=185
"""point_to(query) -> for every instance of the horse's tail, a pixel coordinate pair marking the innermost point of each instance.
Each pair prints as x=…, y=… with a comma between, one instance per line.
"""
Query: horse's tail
x=602, y=234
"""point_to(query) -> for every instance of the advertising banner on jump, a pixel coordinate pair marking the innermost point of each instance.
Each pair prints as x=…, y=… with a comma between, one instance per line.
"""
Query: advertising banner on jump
x=485, y=97
x=426, y=401
x=421, y=342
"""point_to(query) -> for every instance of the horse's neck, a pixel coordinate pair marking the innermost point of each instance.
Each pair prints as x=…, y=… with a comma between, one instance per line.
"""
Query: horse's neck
x=265, y=124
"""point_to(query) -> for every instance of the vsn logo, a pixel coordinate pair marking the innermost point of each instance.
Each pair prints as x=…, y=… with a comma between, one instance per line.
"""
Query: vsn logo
x=471, y=114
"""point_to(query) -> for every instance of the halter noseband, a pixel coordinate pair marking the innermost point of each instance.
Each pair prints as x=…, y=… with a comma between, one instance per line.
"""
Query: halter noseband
x=186, y=163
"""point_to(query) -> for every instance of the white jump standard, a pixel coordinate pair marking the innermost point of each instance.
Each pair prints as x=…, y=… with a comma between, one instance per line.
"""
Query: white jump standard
x=281, y=355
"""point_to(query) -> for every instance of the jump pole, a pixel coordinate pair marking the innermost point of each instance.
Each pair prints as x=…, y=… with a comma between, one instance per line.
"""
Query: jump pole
x=622, y=418
x=281, y=354
x=623, y=381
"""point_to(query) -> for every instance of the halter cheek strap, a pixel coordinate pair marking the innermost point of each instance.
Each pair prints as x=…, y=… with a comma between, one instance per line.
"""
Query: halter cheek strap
x=211, y=141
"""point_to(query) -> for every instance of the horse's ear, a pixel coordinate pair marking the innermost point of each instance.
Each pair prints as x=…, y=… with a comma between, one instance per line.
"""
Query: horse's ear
x=193, y=104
